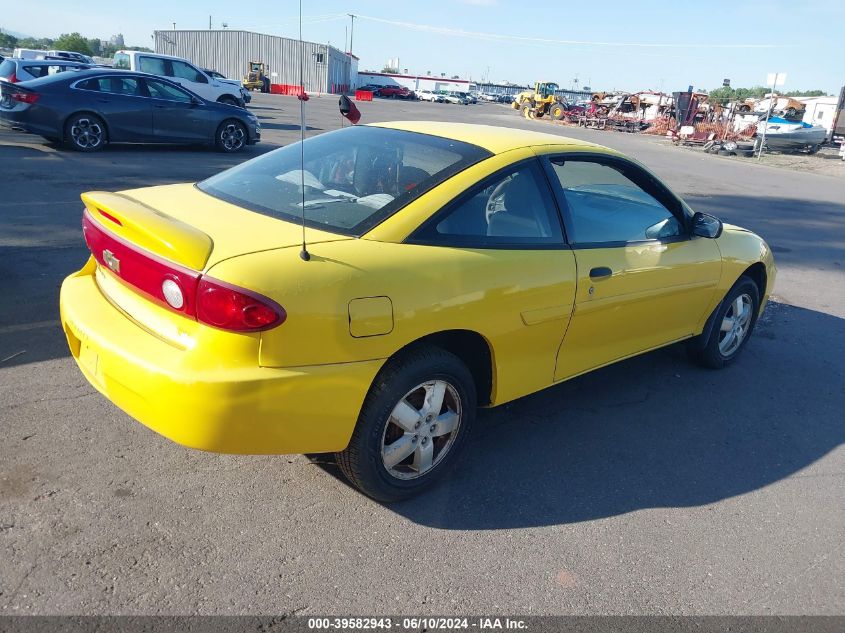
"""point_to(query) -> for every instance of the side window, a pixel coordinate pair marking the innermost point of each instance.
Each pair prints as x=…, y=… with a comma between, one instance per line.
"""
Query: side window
x=121, y=60
x=37, y=70
x=186, y=71
x=119, y=85
x=161, y=90
x=89, y=84
x=510, y=209
x=606, y=205
x=152, y=65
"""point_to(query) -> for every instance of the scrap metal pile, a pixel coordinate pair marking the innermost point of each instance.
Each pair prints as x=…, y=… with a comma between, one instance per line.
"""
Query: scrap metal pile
x=685, y=117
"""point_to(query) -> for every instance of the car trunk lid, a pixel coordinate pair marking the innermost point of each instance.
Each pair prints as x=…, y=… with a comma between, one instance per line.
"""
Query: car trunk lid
x=151, y=242
x=193, y=229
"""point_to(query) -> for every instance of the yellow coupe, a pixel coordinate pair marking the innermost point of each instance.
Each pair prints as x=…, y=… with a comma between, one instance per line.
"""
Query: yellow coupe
x=444, y=267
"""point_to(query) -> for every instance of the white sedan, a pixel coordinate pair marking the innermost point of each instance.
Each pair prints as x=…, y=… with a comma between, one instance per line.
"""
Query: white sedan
x=428, y=95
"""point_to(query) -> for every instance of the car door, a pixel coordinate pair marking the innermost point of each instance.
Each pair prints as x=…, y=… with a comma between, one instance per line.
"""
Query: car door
x=177, y=116
x=643, y=281
x=505, y=271
x=192, y=79
x=122, y=102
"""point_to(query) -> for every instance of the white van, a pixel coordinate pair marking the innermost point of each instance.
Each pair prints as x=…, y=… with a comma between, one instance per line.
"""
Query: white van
x=28, y=53
x=31, y=53
x=181, y=71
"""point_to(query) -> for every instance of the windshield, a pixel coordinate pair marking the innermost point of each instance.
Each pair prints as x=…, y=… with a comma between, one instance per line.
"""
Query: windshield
x=354, y=178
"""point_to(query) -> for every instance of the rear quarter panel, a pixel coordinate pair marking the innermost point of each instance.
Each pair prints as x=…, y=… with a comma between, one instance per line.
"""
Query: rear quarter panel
x=430, y=289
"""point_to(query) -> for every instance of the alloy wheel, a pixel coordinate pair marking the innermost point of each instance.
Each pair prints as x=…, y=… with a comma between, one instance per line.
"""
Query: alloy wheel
x=86, y=133
x=735, y=324
x=421, y=429
x=232, y=136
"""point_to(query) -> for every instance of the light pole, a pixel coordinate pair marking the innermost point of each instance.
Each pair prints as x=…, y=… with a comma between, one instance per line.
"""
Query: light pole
x=352, y=30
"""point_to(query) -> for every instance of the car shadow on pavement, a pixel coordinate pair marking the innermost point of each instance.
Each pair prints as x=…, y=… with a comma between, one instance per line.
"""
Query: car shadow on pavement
x=654, y=431
x=288, y=126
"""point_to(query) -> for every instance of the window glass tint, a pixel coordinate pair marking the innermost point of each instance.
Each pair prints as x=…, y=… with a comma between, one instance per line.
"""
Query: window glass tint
x=605, y=205
x=186, y=71
x=118, y=85
x=513, y=208
x=39, y=70
x=354, y=178
x=121, y=60
x=161, y=90
x=153, y=65
x=89, y=84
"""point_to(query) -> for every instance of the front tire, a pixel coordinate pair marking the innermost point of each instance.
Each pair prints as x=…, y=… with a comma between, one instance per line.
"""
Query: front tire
x=85, y=132
x=733, y=322
x=231, y=136
x=413, y=426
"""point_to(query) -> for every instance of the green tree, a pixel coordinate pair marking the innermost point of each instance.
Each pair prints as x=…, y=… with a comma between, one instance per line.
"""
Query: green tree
x=95, y=46
x=725, y=94
x=806, y=93
x=388, y=69
x=8, y=41
x=73, y=42
x=41, y=43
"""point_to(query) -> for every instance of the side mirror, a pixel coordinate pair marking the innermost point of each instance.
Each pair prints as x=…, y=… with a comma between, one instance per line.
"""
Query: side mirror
x=704, y=225
x=195, y=102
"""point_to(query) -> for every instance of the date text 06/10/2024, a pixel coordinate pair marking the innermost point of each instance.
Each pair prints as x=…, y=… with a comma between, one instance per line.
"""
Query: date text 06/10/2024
x=411, y=623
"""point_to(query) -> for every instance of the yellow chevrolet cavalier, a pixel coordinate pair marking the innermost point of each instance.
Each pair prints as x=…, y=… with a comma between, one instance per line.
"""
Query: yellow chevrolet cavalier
x=446, y=267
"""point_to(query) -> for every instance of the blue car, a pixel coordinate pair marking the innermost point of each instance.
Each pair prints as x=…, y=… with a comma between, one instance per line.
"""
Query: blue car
x=88, y=109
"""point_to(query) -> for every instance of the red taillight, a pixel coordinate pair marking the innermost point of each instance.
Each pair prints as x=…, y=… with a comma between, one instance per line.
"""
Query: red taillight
x=13, y=79
x=180, y=289
x=24, y=97
x=231, y=308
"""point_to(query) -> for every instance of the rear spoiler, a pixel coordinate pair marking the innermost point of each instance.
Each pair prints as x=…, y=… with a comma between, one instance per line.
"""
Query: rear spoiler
x=148, y=228
x=7, y=86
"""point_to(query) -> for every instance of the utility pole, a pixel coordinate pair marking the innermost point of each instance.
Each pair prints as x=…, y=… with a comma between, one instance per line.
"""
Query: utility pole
x=352, y=30
x=209, y=23
x=174, y=26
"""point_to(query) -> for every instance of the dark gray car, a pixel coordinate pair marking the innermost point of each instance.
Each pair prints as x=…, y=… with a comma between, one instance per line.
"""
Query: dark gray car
x=89, y=108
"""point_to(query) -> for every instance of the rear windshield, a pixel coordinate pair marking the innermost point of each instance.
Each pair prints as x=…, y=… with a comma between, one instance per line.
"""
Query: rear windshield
x=354, y=178
x=121, y=60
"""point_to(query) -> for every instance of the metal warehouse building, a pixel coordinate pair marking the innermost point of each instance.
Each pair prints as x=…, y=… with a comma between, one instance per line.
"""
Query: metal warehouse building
x=326, y=69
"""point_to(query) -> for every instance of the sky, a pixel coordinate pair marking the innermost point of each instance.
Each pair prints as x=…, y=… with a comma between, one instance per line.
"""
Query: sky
x=610, y=45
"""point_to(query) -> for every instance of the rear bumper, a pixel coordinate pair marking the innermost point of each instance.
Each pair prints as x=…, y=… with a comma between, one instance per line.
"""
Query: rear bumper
x=28, y=121
x=199, y=398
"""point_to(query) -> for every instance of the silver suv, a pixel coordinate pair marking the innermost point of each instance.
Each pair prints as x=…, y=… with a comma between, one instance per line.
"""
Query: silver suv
x=14, y=69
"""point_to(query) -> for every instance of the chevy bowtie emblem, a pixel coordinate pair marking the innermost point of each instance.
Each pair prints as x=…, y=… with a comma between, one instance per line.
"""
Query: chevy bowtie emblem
x=111, y=261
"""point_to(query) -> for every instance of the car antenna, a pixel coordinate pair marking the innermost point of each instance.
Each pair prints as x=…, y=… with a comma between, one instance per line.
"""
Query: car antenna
x=303, y=97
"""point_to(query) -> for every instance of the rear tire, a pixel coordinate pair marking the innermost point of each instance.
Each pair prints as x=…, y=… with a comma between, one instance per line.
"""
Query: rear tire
x=399, y=448
x=733, y=322
x=85, y=132
x=231, y=136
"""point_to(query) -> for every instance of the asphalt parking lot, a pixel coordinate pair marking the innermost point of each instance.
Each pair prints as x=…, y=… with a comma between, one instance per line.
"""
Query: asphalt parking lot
x=648, y=487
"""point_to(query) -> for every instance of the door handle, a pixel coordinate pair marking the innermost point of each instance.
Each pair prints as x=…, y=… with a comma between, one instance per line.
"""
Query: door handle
x=160, y=107
x=600, y=272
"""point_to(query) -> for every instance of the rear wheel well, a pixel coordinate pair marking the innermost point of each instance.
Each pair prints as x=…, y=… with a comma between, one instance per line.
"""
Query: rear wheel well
x=473, y=350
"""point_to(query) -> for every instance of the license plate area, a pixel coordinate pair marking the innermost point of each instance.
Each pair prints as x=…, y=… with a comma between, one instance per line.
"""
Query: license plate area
x=88, y=359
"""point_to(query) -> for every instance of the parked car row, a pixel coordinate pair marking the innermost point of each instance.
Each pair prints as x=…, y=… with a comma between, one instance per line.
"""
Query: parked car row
x=389, y=92
x=87, y=108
